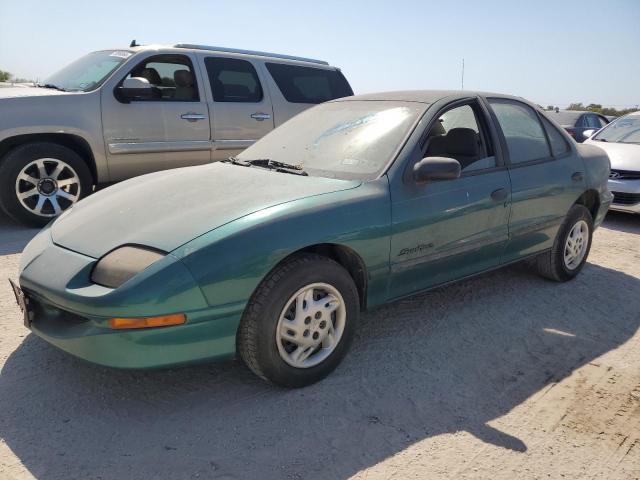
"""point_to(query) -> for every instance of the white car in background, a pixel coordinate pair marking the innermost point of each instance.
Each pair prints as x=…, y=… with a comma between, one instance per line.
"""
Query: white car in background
x=621, y=140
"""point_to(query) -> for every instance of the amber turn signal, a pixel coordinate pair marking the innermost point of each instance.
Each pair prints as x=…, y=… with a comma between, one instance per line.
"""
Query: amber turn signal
x=148, y=322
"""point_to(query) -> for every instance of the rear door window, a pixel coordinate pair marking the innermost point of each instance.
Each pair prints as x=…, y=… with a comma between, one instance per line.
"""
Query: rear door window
x=233, y=80
x=526, y=140
x=307, y=84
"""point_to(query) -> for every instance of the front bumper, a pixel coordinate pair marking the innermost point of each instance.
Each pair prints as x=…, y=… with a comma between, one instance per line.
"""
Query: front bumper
x=626, y=195
x=207, y=335
x=72, y=313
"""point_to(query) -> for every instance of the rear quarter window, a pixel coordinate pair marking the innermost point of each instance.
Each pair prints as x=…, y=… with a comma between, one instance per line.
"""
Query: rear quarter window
x=559, y=145
x=307, y=84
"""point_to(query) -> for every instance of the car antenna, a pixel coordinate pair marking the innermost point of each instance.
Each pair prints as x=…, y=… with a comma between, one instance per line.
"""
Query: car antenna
x=133, y=44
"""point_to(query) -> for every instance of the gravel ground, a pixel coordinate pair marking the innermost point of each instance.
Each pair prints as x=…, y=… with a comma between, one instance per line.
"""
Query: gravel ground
x=502, y=376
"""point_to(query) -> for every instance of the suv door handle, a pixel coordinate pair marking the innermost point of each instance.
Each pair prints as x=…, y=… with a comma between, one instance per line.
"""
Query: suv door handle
x=499, y=195
x=192, y=116
x=260, y=116
x=577, y=177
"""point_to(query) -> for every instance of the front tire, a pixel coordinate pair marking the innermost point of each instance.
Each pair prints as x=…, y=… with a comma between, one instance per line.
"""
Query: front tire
x=300, y=321
x=571, y=247
x=39, y=181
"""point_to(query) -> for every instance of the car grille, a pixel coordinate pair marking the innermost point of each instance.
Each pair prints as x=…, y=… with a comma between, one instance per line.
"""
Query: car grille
x=622, y=198
x=624, y=174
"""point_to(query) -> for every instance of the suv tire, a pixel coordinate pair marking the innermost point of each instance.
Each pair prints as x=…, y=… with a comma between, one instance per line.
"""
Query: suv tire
x=38, y=181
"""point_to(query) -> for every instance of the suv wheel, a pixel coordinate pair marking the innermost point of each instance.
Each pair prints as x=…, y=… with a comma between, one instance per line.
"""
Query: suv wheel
x=39, y=181
x=300, y=322
x=571, y=247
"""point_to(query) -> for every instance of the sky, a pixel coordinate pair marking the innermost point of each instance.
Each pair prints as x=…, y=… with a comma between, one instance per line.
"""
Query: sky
x=550, y=52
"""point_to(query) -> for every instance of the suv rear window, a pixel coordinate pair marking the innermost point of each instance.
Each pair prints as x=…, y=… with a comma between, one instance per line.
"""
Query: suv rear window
x=307, y=84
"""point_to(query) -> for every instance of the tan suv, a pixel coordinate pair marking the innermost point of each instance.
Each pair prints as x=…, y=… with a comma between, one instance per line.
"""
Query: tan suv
x=115, y=114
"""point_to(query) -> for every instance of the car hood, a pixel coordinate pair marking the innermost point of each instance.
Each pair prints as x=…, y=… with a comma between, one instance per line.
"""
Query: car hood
x=623, y=156
x=167, y=209
x=17, y=92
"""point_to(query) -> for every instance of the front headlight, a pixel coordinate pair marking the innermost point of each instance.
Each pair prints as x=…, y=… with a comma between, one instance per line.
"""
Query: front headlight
x=123, y=263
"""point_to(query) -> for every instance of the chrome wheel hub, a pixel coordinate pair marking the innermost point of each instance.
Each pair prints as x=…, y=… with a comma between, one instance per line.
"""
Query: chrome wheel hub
x=47, y=187
x=575, y=247
x=311, y=325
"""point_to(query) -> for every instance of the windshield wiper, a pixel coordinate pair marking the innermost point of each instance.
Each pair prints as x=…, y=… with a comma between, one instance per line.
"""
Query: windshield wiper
x=50, y=85
x=236, y=161
x=277, y=166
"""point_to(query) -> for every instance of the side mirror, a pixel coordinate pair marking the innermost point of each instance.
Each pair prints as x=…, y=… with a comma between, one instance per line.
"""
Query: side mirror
x=436, y=168
x=135, y=88
x=588, y=133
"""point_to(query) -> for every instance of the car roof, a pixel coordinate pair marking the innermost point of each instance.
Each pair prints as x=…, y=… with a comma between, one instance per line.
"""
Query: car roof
x=425, y=96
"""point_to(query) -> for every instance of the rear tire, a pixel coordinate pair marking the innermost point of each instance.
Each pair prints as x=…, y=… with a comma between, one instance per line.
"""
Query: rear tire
x=300, y=321
x=570, y=249
x=39, y=181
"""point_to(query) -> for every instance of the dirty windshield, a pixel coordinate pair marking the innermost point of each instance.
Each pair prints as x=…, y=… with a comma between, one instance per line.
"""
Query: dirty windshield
x=348, y=139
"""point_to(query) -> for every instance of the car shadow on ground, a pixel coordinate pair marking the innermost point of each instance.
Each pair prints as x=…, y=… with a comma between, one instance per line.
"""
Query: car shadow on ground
x=446, y=361
x=622, y=222
x=14, y=237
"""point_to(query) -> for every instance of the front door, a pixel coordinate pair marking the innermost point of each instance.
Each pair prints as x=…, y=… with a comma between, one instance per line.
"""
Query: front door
x=445, y=230
x=547, y=176
x=240, y=106
x=168, y=131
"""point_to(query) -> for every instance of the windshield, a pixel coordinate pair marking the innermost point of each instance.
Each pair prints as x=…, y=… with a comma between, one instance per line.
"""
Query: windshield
x=88, y=72
x=347, y=140
x=621, y=130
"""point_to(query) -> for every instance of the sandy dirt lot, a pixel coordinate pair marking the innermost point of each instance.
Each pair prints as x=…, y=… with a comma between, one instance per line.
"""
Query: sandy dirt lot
x=503, y=376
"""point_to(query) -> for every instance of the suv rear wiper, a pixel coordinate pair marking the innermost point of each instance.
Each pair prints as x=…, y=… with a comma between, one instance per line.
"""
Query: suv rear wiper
x=270, y=164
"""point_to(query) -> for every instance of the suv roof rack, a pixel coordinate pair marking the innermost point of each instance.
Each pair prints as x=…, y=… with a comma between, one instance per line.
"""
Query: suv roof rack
x=249, y=52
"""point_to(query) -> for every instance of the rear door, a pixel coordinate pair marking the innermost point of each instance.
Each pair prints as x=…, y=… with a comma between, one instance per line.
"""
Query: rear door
x=547, y=176
x=240, y=106
x=168, y=131
x=446, y=230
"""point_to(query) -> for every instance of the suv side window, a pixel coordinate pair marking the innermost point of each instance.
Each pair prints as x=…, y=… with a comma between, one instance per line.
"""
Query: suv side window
x=602, y=121
x=233, y=80
x=526, y=140
x=459, y=134
x=559, y=145
x=308, y=85
x=171, y=76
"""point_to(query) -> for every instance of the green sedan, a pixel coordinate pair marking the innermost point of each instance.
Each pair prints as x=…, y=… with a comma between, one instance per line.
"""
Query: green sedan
x=273, y=254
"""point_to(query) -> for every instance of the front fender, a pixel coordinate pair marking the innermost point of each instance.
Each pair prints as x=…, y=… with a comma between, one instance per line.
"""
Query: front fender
x=229, y=262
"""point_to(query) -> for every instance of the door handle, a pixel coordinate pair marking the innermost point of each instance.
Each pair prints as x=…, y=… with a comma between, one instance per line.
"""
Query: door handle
x=577, y=177
x=260, y=116
x=499, y=195
x=192, y=116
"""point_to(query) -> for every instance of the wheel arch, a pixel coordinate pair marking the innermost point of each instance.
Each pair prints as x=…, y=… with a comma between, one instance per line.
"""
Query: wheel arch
x=69, y=140
x=590, y=199
x=348, y=258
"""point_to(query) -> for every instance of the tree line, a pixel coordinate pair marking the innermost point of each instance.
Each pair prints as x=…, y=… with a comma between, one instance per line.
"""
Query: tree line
x=8, y=77
x=597, y=108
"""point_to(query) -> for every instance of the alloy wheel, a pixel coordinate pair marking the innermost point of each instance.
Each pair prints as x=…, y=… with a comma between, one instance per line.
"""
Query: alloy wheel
x=47, y=187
